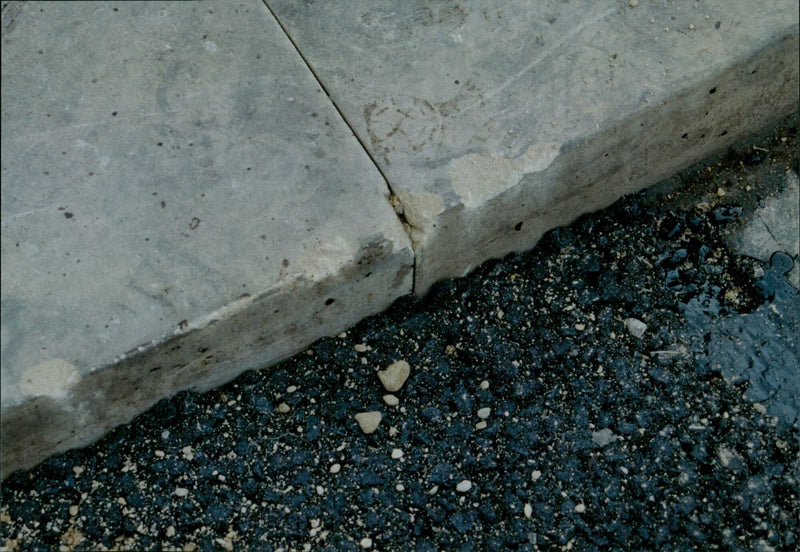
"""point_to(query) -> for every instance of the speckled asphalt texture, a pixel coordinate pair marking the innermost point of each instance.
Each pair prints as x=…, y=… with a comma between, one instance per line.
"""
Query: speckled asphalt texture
x=587, y=395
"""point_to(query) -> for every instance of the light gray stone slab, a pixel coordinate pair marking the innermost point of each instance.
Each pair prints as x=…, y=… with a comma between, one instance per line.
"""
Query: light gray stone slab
x=497, y=120
x=180, y=202
x=774, y=227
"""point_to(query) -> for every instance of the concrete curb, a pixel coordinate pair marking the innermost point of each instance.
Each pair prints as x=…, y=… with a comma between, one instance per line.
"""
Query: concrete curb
x=466, y=187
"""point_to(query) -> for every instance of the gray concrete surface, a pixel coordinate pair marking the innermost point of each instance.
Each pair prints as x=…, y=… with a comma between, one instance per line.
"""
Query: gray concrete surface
x=183, y=199
x=496, y=121
x=180, y=202
x=774, y=227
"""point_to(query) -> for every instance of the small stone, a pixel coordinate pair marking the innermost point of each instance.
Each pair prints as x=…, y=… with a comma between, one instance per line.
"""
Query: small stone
x=484, y=412
x=395, y=375
x=291, y=389
x=160, y=453
x=187, y=452
x=335, y=468
x=397, y=454
x=760, y=408
x=170, y=531
x=527, y=510
x=603, y=437
x=635, y=326
x=633, y=3
x=433, y=490
x=283, y=408
x=721, y=192
x=360, y=348
x=464, y=486
x=320, y=490
x=366, y=542
x=189, y=547
x=78, y=469
x=481, y=425
x=368, y=421
x=181, y=492
x=484, y=385
x=73, y=510
x=536, y=475
x=391, y=400
x=580, y=508
x=580, y=327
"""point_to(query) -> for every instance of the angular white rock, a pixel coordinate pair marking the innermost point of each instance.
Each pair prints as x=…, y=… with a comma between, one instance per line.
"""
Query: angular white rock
x=395, y=375
x=635, y=326
x=368, y=421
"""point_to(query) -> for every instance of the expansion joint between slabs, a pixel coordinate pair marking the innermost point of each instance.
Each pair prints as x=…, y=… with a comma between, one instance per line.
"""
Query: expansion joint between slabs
x=364, y=147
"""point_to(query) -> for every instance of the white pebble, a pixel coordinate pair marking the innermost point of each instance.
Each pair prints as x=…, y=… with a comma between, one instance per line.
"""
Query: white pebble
x=635, y=326
x=395, y=375
x=484, y=385
x=73, y=510
x=397, y=454
x=391, y=400
x=180, y=491
x=366, y=542
x=368, y=421
x=580, y=508
x=360, y=347
x=464, y=486
x=283, y=408
x=603, y=437
x=320, y=490
x=527, y=510
x=481, y=425
x=535, y=475
x=335, y=468
x=484, y=412
x=291, y=389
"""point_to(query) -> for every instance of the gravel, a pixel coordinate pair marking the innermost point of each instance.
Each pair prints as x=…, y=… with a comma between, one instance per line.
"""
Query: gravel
x=639, y=391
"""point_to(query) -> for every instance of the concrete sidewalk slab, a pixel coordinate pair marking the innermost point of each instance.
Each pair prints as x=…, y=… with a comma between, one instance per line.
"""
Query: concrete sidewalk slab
x=180, y=202
x=496, y=121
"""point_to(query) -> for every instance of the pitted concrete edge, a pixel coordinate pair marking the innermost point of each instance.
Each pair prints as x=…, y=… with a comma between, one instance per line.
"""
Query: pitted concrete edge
x=259, y=332
x=555, y=186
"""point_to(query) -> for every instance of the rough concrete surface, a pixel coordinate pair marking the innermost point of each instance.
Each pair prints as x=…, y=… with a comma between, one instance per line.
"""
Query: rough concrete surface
x=180, y=202
x=496, y=121
x=775, y=226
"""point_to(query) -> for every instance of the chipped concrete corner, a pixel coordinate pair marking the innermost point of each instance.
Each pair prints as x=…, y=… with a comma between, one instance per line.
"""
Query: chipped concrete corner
x=479, y=178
